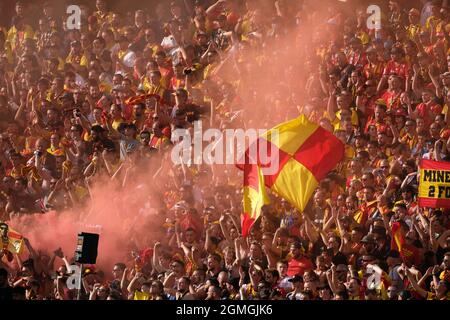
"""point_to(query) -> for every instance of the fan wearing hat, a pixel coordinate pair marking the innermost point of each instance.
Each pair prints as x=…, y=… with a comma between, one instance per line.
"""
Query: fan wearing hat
x=298, y=286
x=399, y=120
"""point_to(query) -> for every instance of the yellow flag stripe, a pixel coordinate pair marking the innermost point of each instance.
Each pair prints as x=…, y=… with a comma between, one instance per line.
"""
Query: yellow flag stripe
x=296, y=184
x=291, y=134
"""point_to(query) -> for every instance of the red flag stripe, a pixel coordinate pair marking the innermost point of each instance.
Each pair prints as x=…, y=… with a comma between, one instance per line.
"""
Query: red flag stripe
x=321, y=145
x=251, y=167
x=434, y=203
x=246, y=223
x=434, y=165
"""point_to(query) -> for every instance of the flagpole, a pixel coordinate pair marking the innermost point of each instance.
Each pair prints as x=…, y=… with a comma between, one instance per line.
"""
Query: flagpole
x=81, y=281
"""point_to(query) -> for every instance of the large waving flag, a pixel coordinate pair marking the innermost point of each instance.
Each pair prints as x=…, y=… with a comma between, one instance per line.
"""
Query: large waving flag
x=304, y=154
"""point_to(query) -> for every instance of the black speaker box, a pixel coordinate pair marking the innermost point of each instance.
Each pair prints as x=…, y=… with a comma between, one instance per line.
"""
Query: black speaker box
x=87, y=245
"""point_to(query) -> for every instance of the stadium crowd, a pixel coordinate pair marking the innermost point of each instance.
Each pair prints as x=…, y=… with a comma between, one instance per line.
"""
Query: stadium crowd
x=99, y=104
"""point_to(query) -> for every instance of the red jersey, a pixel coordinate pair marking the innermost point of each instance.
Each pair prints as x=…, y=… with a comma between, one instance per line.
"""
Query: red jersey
x=373, y=70
x=357, y=59
x=423, y=111
x=400, y=69
x=299, y=266
x=392, y=99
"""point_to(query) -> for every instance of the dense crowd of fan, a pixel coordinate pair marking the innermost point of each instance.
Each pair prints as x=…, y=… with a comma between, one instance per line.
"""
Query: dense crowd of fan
x=98, y=103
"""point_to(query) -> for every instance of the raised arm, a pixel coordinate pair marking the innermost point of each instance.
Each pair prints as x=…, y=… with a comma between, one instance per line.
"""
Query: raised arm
x=331, y=106
x=223, y=227
x=310, y=230
x=414, y=283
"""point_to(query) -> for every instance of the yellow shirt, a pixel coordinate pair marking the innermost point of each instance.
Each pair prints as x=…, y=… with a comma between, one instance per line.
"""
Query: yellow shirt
x=103, y=17
x=116, y=123
x=15, y=37
x=83, y=60
x=337, y=121
x=141, y=295
x=363, y=36
x=152, y=89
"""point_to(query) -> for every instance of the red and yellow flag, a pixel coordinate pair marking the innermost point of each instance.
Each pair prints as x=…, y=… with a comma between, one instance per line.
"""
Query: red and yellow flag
x=397, y=237
x=302, y=152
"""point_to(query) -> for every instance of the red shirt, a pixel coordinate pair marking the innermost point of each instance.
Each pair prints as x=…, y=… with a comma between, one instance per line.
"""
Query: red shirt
x=381, y=127
x=392, y=99
x=423, y=112
x=400, y=69
x=373, y=70
x=299, y=266
x=410, y=255
x=357, y=59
